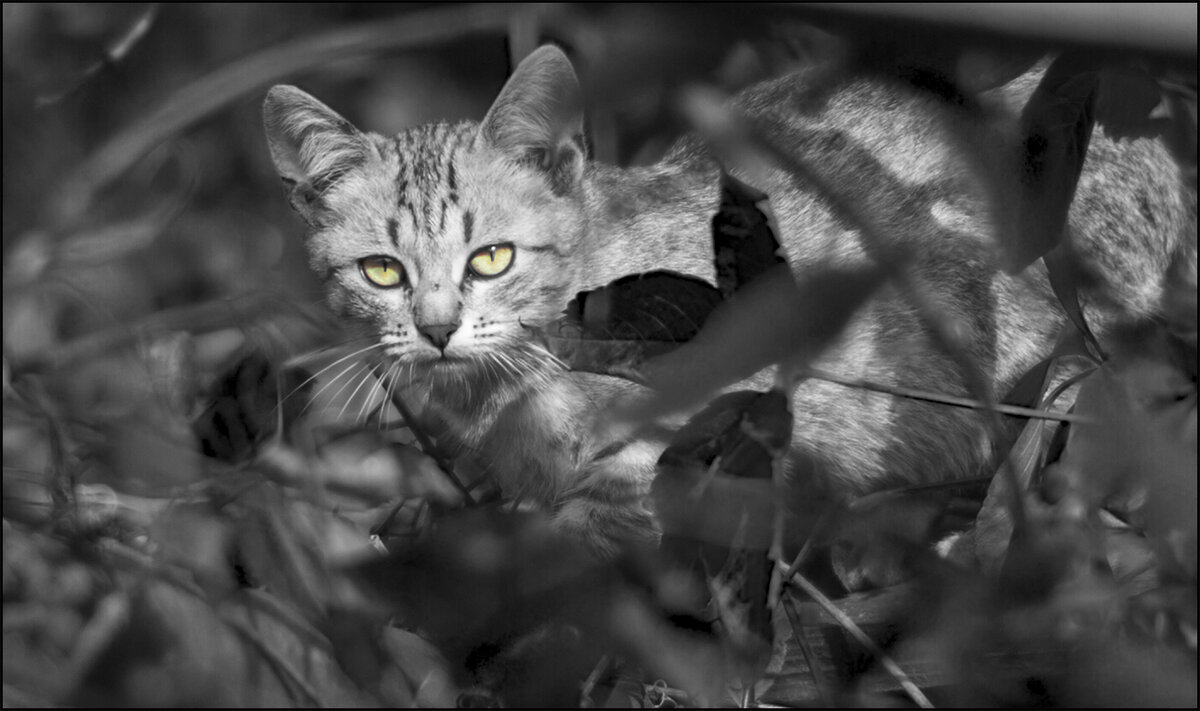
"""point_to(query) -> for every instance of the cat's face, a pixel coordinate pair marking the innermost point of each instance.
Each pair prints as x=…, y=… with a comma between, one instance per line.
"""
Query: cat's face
x=448, y=240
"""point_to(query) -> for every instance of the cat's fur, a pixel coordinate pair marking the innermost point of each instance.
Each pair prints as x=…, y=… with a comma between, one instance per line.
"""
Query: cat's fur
x=431, y=196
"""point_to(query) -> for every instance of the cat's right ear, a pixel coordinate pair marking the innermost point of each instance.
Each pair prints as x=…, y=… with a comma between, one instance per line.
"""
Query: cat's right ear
x=311, y=144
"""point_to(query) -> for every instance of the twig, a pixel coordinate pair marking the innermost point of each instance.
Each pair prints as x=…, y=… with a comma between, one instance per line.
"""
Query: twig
x=112, y=613
x=889, y=664
x=589, y=684
x=952, y=400
x=427, y=445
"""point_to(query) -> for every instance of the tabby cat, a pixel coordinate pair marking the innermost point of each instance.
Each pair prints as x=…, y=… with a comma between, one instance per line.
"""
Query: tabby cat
x=448, y=240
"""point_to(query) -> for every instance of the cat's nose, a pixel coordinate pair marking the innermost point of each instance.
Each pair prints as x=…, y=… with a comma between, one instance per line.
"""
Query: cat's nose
x=439, y=333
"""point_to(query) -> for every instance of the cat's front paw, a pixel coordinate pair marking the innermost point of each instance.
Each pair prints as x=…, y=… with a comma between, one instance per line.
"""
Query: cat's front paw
x=610, y=506
x=606, y=525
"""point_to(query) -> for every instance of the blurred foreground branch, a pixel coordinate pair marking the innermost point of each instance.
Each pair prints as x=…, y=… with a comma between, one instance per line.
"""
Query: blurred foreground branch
x=229, y=83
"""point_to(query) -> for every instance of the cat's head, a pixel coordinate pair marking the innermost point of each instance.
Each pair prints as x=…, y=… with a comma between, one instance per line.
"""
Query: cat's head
x=448, y=240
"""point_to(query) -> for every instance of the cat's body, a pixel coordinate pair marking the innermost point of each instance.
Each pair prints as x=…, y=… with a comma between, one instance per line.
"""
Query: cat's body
x=433, y=200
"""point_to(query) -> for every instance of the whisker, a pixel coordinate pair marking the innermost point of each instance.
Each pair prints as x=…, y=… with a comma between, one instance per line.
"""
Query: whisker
x=331, y=383
x=363, y=415
x=545, y=353
x=390, y=383
x=383, y=400
x=319, y=373
x=363, y=381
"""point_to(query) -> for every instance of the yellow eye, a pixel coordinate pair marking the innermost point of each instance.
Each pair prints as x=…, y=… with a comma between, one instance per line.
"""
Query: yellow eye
x=382, y=271
x=492, y=261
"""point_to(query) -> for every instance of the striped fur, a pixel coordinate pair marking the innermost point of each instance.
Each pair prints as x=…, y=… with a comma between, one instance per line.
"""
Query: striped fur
x=431, y=196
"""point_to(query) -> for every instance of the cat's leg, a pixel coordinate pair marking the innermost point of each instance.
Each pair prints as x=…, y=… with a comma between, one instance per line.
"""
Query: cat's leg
x=607, y=502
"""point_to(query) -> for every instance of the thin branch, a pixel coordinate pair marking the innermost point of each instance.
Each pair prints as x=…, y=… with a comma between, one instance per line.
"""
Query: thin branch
x=110, y=57
x=222, y=87
x=889, y=664
x=427, y=445
x=589, y=684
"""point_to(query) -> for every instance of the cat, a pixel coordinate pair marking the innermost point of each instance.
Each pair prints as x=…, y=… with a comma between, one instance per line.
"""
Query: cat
x=447, y=240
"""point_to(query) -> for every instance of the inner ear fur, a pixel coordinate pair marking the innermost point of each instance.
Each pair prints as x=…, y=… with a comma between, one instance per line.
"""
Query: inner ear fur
x=537, y=119
x=311, y=144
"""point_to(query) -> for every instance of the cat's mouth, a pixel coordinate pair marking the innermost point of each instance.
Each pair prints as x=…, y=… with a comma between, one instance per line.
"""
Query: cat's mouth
x=447, y=361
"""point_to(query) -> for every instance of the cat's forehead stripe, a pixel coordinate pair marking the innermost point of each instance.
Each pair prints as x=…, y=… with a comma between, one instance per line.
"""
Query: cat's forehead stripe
x=393, y=229
x=427, y=178
x=402, y=142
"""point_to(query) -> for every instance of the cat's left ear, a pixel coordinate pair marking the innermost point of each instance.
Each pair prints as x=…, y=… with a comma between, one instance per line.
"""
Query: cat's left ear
x=538, y=118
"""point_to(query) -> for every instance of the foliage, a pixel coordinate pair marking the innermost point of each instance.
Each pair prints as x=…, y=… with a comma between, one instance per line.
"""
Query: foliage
x=200, y=508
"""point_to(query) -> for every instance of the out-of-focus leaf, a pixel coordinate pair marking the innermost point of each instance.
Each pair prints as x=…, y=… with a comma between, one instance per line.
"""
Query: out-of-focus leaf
x=1068, y=277
x=739, y=436
x=177, y=650
x=715, y=479
x=994, y=526
x=199, y=541
x=884, y=542
x=280, y=546
x=739, y=593
x=1141, y=436
x=613, y=329
x=425, y=669
x=1126, y=98
x=773, y=319
x=1056, y=126
x=984, y=68
x=634, y=50
x=526, y=588
x=658, y=306
x=1127, y=672
x=214, y=91
x=241, y=411
x=743, y=239
x=363, y=466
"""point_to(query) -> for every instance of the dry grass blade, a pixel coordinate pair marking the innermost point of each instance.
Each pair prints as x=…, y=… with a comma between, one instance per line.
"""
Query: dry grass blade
x=220, y=88
x=941, y=399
